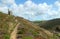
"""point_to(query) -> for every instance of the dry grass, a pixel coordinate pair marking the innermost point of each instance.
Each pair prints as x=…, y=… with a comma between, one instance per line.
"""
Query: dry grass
x=9, y=22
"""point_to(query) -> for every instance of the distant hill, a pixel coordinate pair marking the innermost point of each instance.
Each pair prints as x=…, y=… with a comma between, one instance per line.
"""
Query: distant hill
x=52, y=25
x=39, y=23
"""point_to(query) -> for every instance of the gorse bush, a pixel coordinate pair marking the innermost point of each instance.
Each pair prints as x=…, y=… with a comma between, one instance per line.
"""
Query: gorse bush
x=21, y=31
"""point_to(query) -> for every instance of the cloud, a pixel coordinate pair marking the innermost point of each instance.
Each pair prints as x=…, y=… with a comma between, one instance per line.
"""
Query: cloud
x=30, y=10
x=4, y=9
x=57, y=3
x=8, y=2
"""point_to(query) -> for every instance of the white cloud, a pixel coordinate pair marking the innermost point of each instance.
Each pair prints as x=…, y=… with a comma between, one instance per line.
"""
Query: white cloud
x=8, y=1
x=30, y=10
x=4, y=9
x=44, y=8
x=57, y=3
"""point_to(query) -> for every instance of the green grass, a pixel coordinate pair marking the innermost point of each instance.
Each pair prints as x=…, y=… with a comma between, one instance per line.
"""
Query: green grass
x=28, y=37
x=6, y=36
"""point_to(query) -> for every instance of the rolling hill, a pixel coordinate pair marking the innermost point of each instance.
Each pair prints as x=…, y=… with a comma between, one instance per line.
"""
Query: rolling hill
x=25, y=28
x=50, y=24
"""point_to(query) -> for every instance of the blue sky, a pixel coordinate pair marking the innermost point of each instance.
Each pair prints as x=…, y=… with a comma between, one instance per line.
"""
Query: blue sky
x=32, y=9
x=36, y=1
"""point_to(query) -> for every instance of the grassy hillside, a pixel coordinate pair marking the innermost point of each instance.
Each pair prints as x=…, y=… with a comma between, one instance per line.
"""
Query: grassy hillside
x=39, y=23
x=51, y=25
x=26, y=29
x=7, y=24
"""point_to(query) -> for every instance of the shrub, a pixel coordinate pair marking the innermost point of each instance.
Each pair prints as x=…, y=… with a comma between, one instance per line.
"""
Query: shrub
x=6, y=36
x=28, y=37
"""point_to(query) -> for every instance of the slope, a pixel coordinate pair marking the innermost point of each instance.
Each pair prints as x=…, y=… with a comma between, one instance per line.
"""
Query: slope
x=26, y=29
x=50, y=25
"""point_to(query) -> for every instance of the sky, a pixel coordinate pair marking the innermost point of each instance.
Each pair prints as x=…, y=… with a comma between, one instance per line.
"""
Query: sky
x=32, y=9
